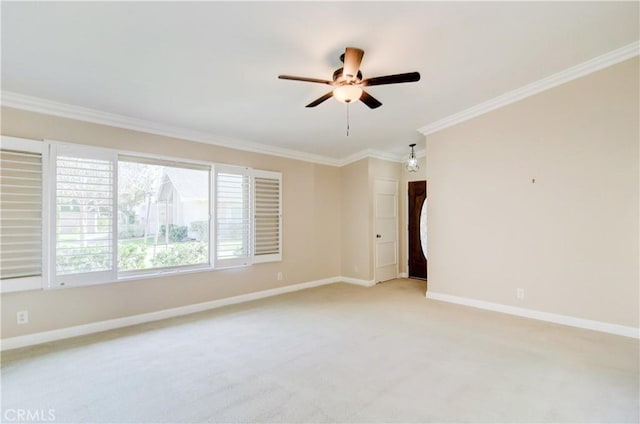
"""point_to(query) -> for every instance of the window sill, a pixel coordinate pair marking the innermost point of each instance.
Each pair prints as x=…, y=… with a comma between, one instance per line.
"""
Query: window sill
x=167, y=273
x=142, y=275
x=14, y=285
x=36, y=285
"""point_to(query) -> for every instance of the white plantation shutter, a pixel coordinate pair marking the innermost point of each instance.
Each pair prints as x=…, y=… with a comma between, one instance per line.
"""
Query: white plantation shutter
x=22, y=164
x=59, y=216
x=232, y=217
x=267, y=216
x=21, y=182
x=84, y=215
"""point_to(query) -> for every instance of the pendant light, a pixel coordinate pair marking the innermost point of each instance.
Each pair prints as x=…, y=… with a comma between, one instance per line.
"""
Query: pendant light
x=412, y=161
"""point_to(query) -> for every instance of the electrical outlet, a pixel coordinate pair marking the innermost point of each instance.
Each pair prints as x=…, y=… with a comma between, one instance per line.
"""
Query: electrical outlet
x=520, y=294
x=23, y=317
x=279, y=276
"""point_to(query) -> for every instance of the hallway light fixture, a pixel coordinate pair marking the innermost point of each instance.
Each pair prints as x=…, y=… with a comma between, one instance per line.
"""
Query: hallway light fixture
x=412, y=162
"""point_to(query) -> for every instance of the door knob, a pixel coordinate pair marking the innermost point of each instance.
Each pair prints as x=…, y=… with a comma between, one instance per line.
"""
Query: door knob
x=378, y=236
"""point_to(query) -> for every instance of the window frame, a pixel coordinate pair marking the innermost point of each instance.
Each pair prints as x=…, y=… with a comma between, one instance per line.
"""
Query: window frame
x=49, y=150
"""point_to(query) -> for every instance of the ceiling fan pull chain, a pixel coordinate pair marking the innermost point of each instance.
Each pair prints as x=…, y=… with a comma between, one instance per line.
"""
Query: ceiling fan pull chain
x=347, y=119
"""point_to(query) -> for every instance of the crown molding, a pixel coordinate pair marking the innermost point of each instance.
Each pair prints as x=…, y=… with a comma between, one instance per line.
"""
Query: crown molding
x=369, y=153
x=49, y=107
x=379, y=154
x=585, y=68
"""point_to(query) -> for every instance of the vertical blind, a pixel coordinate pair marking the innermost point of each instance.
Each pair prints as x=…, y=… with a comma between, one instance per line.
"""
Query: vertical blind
x=84, y=215
x=267, y=216
x=21, y=214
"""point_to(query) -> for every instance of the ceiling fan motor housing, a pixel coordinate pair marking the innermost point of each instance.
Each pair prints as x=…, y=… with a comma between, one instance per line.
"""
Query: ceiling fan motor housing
x=339, y=77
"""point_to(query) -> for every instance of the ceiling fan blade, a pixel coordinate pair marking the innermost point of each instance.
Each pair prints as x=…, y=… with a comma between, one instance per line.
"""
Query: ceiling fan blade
x=392, y=79
x=319, y=100
x=369, y=100
x=352, y=60
x=291, y=77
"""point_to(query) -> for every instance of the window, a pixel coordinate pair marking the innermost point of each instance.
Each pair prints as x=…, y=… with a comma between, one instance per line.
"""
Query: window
x=163, y=214
x=115, y=216
x=22, y=166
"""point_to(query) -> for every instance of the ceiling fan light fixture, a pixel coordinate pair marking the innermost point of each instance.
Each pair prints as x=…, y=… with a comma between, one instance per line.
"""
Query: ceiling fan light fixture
x=347, y=93
x=347, y=81
x=412, y=161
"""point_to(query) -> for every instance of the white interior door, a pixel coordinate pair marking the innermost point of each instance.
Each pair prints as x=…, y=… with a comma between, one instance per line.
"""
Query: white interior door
x=386, y=230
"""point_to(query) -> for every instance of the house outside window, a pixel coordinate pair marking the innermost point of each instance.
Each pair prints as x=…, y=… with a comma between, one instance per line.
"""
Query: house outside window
x=163, y=215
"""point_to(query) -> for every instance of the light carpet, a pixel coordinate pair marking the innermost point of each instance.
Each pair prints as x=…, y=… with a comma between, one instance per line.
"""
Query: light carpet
x=337, y=353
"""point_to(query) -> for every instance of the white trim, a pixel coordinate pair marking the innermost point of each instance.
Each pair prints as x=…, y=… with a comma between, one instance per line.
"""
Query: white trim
x=64, y=110
x=575, y=72
x=403, y=274
x=378, y=154
x=48, y=215
x=369, y=153
x=164, y=160
x=22, y=144
x=20, y=284
x=96, y=327
x=358, y=282
x=604, y=327
x=49, y=107
x=50, y=219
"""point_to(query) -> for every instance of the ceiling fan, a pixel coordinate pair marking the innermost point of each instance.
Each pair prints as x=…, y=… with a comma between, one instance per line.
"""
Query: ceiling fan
x=348, y=84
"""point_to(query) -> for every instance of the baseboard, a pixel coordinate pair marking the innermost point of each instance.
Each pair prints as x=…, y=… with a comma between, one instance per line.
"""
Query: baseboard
x=604, y=327
x=365, y=283
x=96, y=327
x=403, y=275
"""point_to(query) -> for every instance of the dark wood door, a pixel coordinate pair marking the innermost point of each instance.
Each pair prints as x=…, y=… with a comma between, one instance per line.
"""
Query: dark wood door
x=417, y=261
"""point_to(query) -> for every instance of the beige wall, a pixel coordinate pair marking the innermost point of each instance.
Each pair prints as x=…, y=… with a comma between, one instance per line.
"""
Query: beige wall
x=311, y=233
x=356, y=220
x=571, y=238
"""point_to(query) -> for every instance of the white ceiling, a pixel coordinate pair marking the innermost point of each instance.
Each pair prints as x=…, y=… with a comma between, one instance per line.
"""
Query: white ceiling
x=212, y=67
